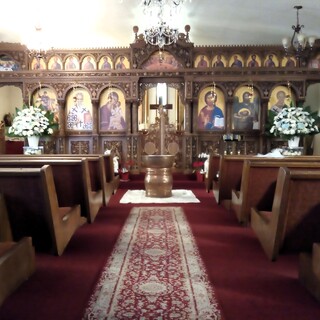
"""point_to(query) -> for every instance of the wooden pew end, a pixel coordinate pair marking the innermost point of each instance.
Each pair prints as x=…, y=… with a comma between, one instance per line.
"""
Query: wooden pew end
x=261, y=225
x=309, y=270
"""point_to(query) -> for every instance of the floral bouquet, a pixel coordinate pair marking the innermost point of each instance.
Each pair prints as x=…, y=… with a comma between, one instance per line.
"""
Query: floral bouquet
x=33, y=121
x=126, y=166
x=294, y=121
x=199, y=164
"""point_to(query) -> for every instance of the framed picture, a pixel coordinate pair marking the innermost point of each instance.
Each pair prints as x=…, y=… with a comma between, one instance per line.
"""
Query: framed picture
x=47, y=98
x=163, y=61
x=7, y=63
x=201, y=61
x=288, y=62
x=253, y=61
x=236, y=61
x=112, y=110
x=122, y=63
x=271, y=61
x=38, y=64
x=246, y=109
x=219, y=61
x=72, y=63
x=280, y=98
x=55, y=63
x=211, y=109
x=88, y=63
x=79, y=110
x=105, y=63
x=314, y=63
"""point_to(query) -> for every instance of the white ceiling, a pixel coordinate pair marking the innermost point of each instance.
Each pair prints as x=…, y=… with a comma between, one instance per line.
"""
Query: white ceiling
x=108, y=23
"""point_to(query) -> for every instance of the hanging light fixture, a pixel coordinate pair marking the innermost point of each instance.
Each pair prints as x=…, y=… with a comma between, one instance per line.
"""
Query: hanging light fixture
x=161, y=34
x=299, y=45
x=37, y=47
x=161, y=7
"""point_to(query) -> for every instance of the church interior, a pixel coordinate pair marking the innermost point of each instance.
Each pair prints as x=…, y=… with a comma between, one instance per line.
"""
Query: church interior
x=195, y=82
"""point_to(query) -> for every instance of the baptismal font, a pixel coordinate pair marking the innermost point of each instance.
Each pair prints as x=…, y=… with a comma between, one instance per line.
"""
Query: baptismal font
x=158, y=179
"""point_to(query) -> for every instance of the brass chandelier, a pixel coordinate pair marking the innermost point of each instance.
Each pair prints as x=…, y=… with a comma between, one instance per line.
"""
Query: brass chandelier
x=299, y=45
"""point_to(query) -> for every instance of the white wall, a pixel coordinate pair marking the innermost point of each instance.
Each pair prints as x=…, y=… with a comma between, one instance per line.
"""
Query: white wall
x=313, y=100
x=10, y=99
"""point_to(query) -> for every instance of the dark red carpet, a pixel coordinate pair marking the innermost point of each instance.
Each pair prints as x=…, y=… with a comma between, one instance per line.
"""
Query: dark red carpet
x=246, y=284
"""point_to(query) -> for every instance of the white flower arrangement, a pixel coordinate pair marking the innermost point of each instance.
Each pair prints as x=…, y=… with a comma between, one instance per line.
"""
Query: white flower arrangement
x=294, y=121
x=32, y=121
x=203, y=155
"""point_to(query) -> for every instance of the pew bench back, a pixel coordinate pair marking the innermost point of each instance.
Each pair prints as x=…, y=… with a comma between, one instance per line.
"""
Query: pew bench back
x=101, y=170
x=258, y=182
x=33, y=208
x=230, y=173
x=71, y=178
x=212, y=171
x=293, y=225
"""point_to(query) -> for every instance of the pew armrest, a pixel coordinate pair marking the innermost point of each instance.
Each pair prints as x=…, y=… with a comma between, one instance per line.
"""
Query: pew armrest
x=263, y=228
x=236, y=202
x=215, y=190
x=69, y=220
x=5, y=228
x=309, y=270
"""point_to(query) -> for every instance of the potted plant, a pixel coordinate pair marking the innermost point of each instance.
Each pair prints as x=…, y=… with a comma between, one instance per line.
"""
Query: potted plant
x=32, y=123
x=124, y=170
x=199, y=166
x=293, y=122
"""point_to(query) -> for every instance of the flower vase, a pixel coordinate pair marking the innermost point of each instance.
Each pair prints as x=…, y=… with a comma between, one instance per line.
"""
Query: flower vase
x=124, y=176
x=33, y=141
x=294, y=142
x=200, y=176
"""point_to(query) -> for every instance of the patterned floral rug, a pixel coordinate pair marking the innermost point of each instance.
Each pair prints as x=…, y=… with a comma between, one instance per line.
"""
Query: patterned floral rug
x=178, y=196
x=154, y=272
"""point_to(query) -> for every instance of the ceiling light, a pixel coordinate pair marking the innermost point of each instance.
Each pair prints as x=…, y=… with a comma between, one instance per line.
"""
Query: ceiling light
x=299, y=45
x=37, y=47
x=161, y=34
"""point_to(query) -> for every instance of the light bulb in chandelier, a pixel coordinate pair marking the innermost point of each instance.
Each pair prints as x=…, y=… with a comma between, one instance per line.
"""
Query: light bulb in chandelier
x=161, y=35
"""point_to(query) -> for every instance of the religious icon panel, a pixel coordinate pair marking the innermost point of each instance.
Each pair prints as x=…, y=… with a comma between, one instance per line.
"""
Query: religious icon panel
x=246, y=109
x=211, y=109
x=112, y=110
x=79, y=110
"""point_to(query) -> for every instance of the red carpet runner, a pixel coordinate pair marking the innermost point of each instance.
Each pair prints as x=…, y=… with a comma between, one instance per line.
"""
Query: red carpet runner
x=154, y=272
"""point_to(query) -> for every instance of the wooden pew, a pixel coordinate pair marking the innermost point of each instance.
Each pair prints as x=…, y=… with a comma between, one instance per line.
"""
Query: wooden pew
x=212, y=172
x=33, y=209
x=102, y=178
x=17, y=259
x=101, y=173
x=98, y=195
x=293, y=225
x=230, y=173
x=258, y=183
x=72, y=181
x=309, y=270
x=112, y=180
